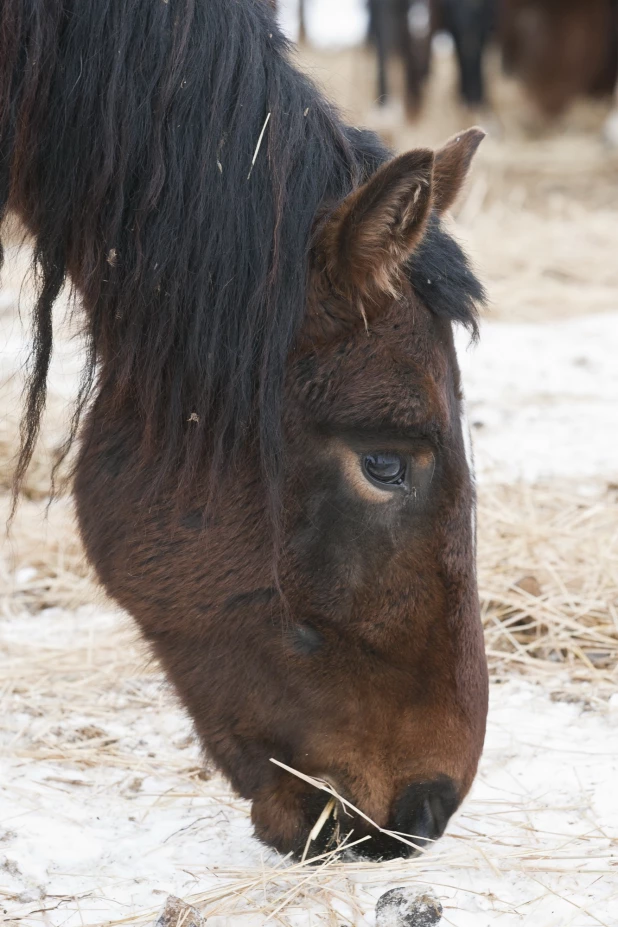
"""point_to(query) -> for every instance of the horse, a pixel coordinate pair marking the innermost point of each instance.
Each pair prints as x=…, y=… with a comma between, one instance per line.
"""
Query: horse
x=407, y=27
x=610, y=130
x=272, y=476
x=561, y=49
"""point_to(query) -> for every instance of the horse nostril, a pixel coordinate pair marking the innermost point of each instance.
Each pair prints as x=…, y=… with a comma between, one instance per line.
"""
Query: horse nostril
x=420, y=816
x=425, y=823
x=424, y=809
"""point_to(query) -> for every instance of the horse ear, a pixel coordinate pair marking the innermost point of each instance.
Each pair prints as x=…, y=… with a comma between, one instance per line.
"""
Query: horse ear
x=451, y=166
x=364, y=244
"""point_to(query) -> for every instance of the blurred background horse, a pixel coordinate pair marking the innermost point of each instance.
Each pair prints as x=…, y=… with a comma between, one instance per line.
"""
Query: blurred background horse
x=557, y=50
x=407, y=28
x=561, y=49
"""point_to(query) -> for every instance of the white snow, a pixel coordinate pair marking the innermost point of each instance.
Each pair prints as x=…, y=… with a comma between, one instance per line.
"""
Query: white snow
x=87, y=842
x=543, y=398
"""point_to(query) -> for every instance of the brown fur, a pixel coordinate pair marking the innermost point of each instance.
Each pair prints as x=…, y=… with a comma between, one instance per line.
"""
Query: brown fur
x=452, y=165
x=365, y=665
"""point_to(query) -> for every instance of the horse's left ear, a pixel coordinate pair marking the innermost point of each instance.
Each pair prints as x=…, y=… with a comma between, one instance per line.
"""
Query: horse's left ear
x=451, y=166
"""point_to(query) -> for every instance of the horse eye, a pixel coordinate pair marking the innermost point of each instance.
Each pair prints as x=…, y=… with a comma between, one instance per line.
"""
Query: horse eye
x=385, y=469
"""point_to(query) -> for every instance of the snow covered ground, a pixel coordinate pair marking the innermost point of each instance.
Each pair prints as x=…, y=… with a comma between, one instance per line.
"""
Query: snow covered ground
x=113, y=816
x=543, y=398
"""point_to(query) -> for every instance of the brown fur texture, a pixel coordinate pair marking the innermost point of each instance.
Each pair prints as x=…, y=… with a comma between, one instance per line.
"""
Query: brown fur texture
x=452, y=165
x=362, y=246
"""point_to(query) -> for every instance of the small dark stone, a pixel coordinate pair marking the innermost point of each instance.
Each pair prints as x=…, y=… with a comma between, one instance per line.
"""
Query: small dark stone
x=177, y=911
x=405, y=907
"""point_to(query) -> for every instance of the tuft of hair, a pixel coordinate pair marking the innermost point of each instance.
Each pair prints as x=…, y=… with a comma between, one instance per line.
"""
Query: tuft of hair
x=170, y=161
x=442, y=276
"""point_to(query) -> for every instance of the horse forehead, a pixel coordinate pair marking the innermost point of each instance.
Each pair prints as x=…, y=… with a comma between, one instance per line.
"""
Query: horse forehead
x=405, y=386
x=406, y=352
x=385, y=375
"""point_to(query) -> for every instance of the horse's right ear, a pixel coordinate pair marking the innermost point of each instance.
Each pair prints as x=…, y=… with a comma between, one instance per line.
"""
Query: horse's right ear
x=361, y=247
x=365, y=242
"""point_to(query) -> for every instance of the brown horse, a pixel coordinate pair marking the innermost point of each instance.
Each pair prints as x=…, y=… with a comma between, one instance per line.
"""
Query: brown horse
x=272, y=476
x=561, y=49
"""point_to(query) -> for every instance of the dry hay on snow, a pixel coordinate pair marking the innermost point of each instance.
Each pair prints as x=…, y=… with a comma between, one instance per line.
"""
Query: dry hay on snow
x=548, y=576
x=90, y=710
x=92, y=719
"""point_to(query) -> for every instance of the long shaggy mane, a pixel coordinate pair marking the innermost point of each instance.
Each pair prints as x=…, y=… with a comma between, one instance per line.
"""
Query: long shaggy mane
x=169, y=160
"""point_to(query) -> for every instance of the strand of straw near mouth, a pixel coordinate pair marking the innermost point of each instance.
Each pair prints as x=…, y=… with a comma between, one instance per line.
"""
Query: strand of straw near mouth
x=317, y=827
x=325, y=787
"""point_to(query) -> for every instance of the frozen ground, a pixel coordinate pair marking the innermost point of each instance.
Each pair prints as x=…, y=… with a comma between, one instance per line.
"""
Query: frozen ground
x=543, y=398
x=113, y=815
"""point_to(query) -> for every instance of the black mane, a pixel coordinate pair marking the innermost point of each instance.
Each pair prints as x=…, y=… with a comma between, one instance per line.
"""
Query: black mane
x=130, y=140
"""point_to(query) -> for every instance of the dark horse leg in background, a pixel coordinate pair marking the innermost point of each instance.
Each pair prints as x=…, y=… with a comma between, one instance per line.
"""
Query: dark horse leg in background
x=471, y=23
x=414, y=39
x=380, y=26
x=610, y=130
x=404, y=28
x=302, y=23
